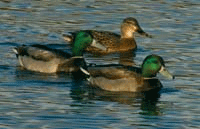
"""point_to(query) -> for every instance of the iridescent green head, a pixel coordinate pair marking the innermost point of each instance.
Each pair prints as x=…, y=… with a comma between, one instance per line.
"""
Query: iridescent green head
x=154, y=64
x=81, y=41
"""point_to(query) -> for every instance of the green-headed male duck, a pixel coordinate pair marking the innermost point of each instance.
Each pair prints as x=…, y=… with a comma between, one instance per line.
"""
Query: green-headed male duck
x=43, y=59
x=113, y=42
x=127, y=78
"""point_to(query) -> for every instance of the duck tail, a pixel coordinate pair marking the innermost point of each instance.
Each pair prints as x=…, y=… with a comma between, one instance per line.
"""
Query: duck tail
x=86, y=73
x=15, y=50
x=19, y=50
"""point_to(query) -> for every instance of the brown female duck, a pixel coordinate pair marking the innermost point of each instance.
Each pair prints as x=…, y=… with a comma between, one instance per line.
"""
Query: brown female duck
x=113, y=42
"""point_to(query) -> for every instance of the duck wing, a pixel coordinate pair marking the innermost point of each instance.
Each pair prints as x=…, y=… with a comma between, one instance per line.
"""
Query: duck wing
x=40, y=52
x=114, y=72
x=106, y=38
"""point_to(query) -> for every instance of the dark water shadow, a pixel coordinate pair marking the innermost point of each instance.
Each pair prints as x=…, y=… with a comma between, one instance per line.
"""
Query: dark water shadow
x=9, y=44
x=25, y=77
x=84, y=93
x=127, y=58
x=168, y=90
x=5, y=67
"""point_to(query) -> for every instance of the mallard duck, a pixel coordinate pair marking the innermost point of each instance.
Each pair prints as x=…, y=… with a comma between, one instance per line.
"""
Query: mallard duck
x=113, y=42
x=127, y=78
x=43, y=59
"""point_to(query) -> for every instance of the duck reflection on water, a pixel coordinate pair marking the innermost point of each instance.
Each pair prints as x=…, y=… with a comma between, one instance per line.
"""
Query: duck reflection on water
x=147, y=100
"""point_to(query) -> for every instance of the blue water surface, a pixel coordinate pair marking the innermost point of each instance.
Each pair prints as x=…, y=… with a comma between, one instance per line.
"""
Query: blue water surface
x=35, y=100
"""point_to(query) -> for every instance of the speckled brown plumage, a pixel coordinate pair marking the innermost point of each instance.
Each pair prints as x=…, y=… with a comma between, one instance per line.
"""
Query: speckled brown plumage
x=114, y=42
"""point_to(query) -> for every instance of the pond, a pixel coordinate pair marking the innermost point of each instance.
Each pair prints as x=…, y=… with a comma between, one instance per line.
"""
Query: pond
x=34, y=100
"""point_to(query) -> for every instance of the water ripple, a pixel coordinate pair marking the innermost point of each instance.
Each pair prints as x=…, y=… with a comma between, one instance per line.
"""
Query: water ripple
x=34, y=100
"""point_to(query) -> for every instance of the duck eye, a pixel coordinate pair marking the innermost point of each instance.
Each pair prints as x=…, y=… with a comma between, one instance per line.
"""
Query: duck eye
x=129, y=22
x=85, y=35
x=155, y=62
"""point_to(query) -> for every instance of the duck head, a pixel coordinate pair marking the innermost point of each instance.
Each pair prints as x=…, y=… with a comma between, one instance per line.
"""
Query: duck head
x=82, y=41
x=131, y=25
x=154, y=64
